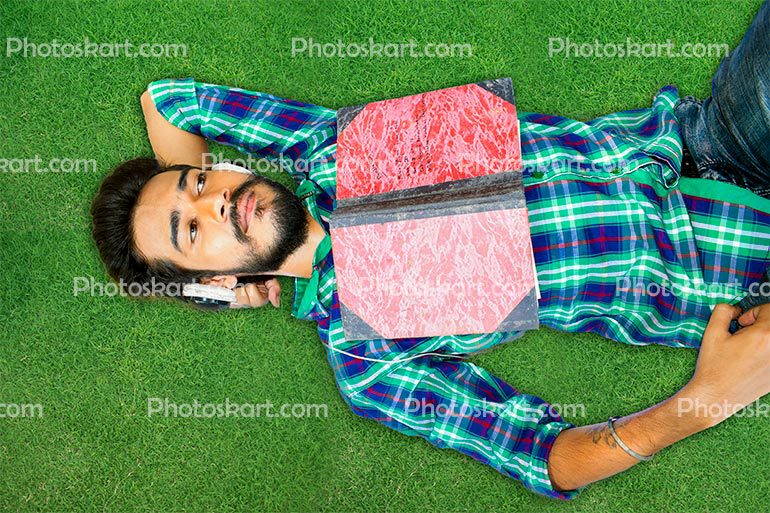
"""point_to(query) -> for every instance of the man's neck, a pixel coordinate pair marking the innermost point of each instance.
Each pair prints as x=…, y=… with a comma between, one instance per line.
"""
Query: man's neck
x=300, y=263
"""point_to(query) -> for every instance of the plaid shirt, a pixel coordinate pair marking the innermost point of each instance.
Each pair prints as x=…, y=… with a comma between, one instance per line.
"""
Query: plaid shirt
x=623, y=246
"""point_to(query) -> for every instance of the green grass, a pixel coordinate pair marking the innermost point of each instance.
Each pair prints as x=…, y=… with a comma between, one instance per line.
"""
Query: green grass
x=93, y=362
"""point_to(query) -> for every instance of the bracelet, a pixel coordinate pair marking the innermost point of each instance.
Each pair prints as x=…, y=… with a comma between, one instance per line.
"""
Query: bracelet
x=623, y=446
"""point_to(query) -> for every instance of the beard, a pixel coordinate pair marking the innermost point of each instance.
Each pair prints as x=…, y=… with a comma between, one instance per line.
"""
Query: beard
x=289, y=219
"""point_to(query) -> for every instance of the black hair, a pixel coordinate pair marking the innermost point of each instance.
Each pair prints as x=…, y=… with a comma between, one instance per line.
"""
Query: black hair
x=112, y=213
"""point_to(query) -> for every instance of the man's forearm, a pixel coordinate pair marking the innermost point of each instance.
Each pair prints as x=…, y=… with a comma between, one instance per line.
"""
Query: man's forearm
x=586, y=454
x=732, y=369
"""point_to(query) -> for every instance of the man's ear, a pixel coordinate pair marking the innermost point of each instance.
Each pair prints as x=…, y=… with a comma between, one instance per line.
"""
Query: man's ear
x=228, y=281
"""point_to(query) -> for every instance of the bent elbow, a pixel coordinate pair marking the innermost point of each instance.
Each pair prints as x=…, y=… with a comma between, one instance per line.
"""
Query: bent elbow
x=146, y=101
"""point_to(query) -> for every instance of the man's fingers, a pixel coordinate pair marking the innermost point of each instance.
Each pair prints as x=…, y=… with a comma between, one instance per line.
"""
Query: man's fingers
x=249, y=295
x=274, y=292
x=757, y=315
x=748, y=317
x=258, y=294
x=719, y=323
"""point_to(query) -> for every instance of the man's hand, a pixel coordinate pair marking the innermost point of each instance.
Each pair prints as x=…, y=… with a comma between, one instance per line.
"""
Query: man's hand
x=732, y=370
x=254, y=295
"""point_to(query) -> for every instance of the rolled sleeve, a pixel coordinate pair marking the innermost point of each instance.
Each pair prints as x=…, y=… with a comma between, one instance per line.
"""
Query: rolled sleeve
x=461, y=406
x=177, y=102
x=287, y=132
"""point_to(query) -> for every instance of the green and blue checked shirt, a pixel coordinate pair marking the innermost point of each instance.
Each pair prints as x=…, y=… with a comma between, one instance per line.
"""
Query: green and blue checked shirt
x=623, y=246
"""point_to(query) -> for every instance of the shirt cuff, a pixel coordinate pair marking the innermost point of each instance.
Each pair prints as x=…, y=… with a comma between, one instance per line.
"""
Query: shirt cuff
x=177, y=101
x=538, y=479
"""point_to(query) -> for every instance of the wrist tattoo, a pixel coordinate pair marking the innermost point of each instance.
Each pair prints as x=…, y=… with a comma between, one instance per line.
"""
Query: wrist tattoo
x=601, y=433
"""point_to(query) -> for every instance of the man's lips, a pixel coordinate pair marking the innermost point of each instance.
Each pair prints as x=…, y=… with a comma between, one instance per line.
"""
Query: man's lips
x=246, y=210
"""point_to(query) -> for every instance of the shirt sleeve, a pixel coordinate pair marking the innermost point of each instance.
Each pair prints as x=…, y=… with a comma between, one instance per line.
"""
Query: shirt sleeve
x=287, y=132
x=458, y=405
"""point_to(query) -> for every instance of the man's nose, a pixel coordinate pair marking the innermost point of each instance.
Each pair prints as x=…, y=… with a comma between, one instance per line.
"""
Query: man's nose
x=217, y=205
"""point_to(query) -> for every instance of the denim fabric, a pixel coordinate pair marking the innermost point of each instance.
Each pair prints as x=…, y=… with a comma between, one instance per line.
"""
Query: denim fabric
x=728, y=134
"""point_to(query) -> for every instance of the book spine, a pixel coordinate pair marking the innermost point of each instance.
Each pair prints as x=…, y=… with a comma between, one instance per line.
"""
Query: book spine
x=479, y=194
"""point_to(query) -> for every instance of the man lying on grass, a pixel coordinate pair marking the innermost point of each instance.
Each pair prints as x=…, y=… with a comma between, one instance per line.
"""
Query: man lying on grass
x=622, y=212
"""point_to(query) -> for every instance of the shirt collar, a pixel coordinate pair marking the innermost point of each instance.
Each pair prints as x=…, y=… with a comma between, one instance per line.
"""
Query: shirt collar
x=306, y=303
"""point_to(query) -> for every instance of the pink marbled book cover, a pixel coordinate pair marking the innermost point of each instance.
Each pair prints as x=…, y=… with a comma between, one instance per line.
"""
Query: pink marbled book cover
x=430, y=235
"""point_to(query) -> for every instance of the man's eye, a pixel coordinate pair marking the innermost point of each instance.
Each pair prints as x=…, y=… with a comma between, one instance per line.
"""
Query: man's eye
x=200, y=182
x=193, y=231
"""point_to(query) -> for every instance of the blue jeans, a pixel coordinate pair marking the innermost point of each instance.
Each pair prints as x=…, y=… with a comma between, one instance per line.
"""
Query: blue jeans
x=728, y=134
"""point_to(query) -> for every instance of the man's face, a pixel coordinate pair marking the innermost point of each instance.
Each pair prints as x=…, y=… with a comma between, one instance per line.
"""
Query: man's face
x=224, y=221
